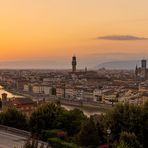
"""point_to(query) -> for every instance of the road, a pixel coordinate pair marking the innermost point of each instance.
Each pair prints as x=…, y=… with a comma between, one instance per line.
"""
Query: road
x=8, y=140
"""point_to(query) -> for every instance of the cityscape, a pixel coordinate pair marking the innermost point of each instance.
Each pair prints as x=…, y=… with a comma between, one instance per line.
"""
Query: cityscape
x=73, y=74
x=93, y=92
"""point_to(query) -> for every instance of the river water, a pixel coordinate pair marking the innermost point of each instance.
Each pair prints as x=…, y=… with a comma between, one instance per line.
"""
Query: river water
x=85, y=111
x=68, y=107
x=9, y=95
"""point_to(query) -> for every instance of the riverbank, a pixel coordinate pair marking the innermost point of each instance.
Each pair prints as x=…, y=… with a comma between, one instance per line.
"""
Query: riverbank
x=89, y=108
x=88, y=111
x=10, y=94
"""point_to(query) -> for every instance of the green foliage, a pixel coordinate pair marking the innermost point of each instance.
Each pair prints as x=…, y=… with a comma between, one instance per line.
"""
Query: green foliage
x=145, y=125
x=88, y=135
x=0, y=103
x=58, y=143
x=45, y=117
x=123, y=145
x=130, y=140
x=101, y=129
x=52, y=133
x=128, y=124
x=52, y=116
x=125, y=118
x=71, y=121
x=14, y=118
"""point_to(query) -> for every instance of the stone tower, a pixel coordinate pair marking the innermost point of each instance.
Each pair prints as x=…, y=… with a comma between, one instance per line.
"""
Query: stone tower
x=74, y=64
x=143, y=64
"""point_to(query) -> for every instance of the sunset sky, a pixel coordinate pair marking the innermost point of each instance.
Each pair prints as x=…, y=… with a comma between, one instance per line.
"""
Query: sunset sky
x=94, y=30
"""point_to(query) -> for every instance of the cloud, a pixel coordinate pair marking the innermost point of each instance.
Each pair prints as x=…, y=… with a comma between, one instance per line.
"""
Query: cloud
x=121, y=37
x=141, y=54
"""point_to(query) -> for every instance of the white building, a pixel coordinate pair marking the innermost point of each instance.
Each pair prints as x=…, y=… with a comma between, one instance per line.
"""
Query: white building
x=88, y=95
x=70, y=93
x=26, y=88
x=60, y=92
x=47, y=90
x=37, y=89
x=97, y=93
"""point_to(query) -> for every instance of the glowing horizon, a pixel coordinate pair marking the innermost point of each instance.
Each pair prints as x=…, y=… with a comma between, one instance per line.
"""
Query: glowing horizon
x=44, y=29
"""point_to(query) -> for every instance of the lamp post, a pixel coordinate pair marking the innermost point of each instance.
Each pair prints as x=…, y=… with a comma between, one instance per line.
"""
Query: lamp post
x=108, y=135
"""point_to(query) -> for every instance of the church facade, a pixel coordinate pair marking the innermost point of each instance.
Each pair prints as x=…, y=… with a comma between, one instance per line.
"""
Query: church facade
x=142, y=72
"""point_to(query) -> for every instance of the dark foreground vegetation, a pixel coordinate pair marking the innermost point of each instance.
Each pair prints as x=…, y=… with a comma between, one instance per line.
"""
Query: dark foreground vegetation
x=126, y=126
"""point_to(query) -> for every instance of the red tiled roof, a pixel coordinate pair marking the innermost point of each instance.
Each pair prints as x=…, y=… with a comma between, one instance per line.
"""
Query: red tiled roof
x=23, y=101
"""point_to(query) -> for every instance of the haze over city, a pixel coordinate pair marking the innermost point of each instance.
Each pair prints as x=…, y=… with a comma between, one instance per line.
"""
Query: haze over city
x=50, y=32
x=74, y=74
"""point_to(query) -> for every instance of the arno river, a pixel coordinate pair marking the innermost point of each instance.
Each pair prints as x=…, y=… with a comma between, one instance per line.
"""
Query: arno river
x=88, y=112
x=9, y=95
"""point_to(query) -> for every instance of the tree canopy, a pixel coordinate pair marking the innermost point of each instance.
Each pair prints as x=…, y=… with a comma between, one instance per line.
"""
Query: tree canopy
x=14, y=118
x=45, y=117
x=128, y=125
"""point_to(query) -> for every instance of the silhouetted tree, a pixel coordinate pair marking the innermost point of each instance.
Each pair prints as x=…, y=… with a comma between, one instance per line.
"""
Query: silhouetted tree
x=45, y=117
x=130, y=140
x=71, y=121
x=88, y=136
x=14, y=118
x=145, y=125
x=125, y=118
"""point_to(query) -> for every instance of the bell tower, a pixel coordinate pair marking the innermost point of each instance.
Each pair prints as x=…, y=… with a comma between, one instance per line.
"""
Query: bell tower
x=74, y=64
x=143, y=64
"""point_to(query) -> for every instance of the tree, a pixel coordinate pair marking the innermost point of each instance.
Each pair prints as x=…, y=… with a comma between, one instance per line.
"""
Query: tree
x=45, y=117
x=125, y=117
x=123, y=145
x=88, y=136
x=0, y=104
x=129, y=140
x=14, y=118
x=71, y=121
x=58, y=143
x=100, y=128
x=145, y=125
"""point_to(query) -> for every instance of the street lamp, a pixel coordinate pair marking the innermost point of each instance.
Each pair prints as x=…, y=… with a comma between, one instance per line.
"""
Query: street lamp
x=108, y=135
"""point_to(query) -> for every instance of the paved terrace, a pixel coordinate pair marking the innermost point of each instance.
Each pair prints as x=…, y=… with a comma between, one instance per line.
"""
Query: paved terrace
x=14, y=138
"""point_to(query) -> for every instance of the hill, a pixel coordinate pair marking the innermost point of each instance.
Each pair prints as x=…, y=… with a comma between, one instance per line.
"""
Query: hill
x=119, y=65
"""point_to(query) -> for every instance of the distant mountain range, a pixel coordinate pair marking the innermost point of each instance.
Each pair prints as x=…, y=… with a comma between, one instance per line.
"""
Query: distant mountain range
x=53, y=64
x=119, y=64
x=35, y=64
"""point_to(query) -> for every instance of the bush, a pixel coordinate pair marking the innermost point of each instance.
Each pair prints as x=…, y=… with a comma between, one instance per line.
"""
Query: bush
x=88, y=135
x=71, y=121
x=58, y=143
x=45, y=117
x=125, y=117
x=14, y=118
x=53, y=134
x=129, y=139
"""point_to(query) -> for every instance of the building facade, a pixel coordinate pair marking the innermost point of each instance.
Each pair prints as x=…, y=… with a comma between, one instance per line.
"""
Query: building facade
x=142, y=72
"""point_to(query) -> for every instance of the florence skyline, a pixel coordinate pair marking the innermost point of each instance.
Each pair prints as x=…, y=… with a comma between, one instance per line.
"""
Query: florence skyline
x=96, y=31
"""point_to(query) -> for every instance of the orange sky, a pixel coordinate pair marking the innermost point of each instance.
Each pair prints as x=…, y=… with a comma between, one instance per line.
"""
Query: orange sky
x=59, y=28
